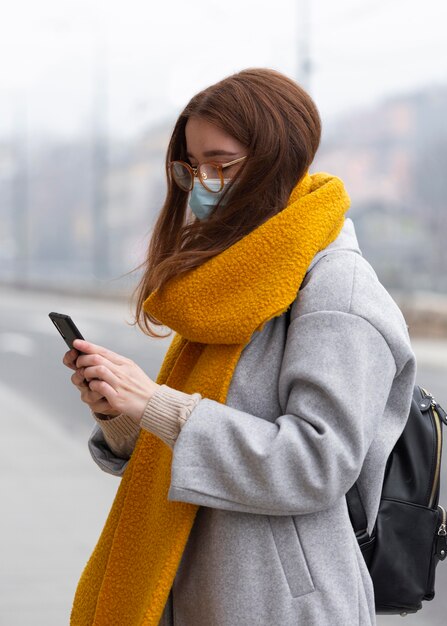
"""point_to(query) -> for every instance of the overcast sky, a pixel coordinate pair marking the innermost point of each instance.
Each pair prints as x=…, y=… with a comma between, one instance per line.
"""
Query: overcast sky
x=139, y=61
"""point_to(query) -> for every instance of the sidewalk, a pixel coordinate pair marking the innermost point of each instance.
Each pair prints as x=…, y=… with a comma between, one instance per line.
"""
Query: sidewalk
x=55, y=501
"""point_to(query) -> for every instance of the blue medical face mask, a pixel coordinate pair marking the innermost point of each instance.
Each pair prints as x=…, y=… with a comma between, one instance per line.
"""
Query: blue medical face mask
x=202, y=201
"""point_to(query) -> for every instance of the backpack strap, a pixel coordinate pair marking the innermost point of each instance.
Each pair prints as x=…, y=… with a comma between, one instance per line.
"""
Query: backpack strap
x=357, y=514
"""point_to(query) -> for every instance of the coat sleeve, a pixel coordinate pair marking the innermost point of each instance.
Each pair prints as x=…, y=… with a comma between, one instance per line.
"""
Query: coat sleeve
x=120, y=433
x=103, y=455
x=334, y=383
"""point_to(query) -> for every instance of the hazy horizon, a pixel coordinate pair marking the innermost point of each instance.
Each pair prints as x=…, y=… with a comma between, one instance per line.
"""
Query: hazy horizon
x=73, y=65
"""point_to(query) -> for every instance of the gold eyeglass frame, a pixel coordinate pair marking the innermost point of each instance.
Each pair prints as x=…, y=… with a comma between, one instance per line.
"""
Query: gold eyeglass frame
x=194, y=171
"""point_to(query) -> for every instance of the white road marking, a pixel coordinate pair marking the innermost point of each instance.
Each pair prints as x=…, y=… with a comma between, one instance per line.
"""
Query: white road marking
x=430, y=352
x=17, y=343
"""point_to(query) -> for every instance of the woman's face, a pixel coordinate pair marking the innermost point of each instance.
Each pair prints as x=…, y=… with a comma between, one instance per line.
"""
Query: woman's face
x=206, y=142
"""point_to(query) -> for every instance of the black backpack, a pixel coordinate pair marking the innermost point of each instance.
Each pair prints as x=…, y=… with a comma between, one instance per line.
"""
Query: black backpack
x=409, y=535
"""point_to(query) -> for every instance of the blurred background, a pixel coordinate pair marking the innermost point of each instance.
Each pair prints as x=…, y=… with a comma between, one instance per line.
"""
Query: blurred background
x=89, y=92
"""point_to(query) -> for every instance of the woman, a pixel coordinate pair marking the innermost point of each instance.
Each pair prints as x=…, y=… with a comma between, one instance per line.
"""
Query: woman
x=290, y=377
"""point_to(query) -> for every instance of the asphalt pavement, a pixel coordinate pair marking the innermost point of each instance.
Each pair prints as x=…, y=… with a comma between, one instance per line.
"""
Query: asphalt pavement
x=55, y=499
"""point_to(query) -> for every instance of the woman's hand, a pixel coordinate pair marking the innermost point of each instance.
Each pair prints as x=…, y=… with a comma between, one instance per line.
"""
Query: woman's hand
x=95, y=400
x=119, y=380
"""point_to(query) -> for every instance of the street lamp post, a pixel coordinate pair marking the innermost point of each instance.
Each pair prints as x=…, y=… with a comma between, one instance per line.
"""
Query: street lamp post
x=20, y=194
x=304, y=60
x=100, y=253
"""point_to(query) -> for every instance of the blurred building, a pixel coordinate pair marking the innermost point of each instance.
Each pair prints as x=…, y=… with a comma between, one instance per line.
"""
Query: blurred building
x=392, y=159
x=66, y=221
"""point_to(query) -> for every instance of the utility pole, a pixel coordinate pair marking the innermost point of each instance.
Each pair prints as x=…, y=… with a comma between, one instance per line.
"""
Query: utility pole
x=100, y=253
x=304, y=60
x=20, y=193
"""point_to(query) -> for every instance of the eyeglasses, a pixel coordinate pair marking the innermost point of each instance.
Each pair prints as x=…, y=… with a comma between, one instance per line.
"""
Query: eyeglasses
x=209, y=174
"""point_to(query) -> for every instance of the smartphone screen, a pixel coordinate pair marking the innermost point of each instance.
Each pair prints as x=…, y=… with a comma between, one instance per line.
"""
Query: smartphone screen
x=67, y=328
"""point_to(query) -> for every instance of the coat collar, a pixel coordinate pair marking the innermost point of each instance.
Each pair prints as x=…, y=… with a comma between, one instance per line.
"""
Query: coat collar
x=346, y=240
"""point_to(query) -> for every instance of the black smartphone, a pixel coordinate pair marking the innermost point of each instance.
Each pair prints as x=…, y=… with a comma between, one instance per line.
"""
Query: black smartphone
x=66, y=327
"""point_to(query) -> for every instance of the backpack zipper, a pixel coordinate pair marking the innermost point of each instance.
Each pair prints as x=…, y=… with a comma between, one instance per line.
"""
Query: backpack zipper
x=443, y=527
x=437, y=422
x=441, y=543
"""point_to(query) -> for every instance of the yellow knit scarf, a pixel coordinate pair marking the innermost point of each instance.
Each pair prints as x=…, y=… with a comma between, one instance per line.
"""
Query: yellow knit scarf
x=214, y=310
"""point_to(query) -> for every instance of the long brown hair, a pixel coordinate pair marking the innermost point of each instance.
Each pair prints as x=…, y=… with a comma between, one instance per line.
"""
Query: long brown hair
x=279, y=125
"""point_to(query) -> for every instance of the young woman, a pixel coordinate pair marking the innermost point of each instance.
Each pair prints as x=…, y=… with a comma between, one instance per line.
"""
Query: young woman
x=289, y=377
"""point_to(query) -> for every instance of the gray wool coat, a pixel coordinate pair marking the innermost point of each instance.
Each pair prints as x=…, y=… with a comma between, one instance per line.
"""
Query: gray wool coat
x=311, y=408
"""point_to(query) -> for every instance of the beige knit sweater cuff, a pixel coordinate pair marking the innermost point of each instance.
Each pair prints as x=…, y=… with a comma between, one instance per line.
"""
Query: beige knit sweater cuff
x=120, y=433
x=167, y=411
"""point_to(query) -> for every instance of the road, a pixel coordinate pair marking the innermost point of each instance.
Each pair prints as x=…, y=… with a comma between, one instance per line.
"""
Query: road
x=58, y=500
x=31, y=349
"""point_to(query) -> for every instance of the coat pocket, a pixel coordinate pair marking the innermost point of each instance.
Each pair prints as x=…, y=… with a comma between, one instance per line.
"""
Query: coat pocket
x=291, y=555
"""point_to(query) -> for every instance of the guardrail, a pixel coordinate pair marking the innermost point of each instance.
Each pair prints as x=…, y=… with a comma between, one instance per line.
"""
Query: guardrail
x=425, y=313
